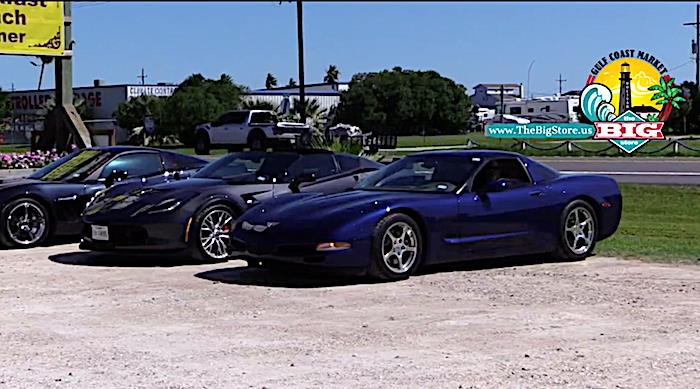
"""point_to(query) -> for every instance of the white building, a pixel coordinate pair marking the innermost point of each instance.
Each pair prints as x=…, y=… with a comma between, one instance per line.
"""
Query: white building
x=489, y=95
x=101, y=101
x=555, y=108
x=326, y=95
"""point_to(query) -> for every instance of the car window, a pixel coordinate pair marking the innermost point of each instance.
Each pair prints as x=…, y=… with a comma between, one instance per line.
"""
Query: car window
x=262, y=117
x=78, y=165
x=422, y=173
x=507, y=168
x=231, y=118
x=541, y=172
x=135, y=165
x=181, y=162
x=348, y=162
x=320, y=165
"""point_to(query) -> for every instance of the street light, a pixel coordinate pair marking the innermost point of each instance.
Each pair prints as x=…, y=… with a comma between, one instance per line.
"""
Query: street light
x=529, y=68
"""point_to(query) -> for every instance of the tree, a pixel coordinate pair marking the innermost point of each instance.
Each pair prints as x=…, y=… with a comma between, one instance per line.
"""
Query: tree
x=686, y=119
x=258, y=104
x=668, y=95
x=270, y=81
x=198, y=100
x=5, y=106
x=130, y=114
x=332, y=75
x=405, y=102
x=292, y=82
x=315, y=115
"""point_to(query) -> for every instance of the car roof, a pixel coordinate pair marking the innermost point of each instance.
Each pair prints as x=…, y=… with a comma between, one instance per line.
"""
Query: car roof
x=472, y=153
x=122, y=149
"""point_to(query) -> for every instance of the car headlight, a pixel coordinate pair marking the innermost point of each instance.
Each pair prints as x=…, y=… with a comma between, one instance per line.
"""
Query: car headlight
x=164, y=206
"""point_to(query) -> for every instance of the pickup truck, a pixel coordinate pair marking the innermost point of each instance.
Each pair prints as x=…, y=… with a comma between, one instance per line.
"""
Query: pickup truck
x=256, y=129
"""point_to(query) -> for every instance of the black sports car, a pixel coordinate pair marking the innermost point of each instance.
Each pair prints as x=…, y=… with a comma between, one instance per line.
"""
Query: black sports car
x=196, y=215
x=49, y=201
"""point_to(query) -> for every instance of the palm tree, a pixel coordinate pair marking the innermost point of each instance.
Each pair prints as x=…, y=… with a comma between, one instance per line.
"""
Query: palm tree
x=667, y=95
x=292, y=82
x=270, y=81
x=332, y=75
x=314, y=113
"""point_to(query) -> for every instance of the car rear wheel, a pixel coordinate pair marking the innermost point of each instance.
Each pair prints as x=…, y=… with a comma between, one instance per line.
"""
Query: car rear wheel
x=397, y=248
x=26, y=223
x=577, y=231
x=201, y=145
x=210, y=236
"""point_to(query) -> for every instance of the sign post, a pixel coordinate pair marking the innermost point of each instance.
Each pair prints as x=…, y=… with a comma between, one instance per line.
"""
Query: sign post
x=43, y=28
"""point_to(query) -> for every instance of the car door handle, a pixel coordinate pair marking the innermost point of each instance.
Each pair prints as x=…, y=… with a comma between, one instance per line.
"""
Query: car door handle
x=536, y=193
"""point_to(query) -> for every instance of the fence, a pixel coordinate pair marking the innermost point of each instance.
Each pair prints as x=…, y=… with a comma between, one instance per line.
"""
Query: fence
x=675, y=146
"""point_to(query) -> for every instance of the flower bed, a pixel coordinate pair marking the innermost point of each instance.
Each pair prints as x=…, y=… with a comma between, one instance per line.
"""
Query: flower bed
x=29, y=160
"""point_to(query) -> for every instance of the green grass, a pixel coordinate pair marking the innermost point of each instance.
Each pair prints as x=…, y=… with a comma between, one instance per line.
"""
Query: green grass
x=660, y=223
x=484, y=142
x=438, y=140
x=8, y=149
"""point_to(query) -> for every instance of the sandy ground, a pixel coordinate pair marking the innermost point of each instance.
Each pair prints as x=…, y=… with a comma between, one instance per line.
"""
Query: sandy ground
x=83, y=321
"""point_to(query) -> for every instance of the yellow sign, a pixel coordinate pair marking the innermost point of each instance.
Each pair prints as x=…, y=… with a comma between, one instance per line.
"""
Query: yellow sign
x=31, y=27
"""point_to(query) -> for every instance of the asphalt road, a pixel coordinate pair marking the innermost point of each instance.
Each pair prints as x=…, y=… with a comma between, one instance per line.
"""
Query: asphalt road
x=641, y=170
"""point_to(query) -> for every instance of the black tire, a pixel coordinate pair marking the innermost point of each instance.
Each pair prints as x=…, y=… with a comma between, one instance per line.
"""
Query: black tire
x=572, y=252
x=257, y=140
x=202, y=145
x=381, y=269
x=40, y=234
x=197, y=247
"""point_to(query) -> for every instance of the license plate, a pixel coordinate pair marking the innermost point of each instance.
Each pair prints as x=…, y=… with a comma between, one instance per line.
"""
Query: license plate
x=100, y=233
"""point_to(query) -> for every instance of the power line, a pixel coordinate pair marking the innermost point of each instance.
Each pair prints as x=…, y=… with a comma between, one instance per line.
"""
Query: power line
x=90, y=4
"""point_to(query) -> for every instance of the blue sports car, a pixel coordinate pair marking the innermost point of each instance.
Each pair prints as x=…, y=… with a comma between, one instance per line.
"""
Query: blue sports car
x=435, y=207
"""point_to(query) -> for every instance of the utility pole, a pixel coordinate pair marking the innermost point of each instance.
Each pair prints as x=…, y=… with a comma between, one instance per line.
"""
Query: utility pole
x=300, y=43
x=696, y=42
x=143, y=77
x=503, y=108
x=561, y=81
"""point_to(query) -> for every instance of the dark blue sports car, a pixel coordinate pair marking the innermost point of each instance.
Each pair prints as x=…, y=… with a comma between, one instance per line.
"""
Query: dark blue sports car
x=49, y=202
x=435, y=207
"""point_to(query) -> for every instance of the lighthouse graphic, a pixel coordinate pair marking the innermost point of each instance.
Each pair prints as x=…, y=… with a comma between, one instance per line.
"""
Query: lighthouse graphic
x=625, y=95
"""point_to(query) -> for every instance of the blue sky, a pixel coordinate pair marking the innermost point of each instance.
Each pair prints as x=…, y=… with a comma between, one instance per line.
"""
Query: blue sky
x=468, y=42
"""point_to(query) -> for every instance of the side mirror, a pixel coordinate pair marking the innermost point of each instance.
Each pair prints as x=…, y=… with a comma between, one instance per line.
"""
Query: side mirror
x=115, y=176
x=300, y=179
x=181, y=175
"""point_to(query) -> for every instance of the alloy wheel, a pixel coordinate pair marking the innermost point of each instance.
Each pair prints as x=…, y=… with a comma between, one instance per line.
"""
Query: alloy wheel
x=399, y=247
x=579, y=230
x=26, y=223
x=214, y=233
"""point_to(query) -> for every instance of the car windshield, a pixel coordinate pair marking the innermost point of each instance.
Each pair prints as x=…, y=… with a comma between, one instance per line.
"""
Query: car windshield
x=251, y=168
x=76, y=165
x=422, y=173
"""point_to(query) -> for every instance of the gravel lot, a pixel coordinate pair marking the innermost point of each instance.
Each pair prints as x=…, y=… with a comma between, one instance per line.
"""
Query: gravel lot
x=78, y=320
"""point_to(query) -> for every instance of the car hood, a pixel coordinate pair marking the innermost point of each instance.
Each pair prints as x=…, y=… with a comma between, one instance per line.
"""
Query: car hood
x=120, y=200
x=310, y=207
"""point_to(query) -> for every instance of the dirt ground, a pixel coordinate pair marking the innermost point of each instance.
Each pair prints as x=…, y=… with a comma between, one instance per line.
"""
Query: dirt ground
x=76, y=320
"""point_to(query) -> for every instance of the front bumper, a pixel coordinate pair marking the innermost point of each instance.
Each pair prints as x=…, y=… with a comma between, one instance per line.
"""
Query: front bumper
x=248, y=247
x=138, y=235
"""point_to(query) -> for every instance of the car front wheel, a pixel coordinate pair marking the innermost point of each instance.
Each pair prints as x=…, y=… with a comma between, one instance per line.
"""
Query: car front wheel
x=577, y=231
x=397, y=247
x=210, y=237
x=25, y=223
